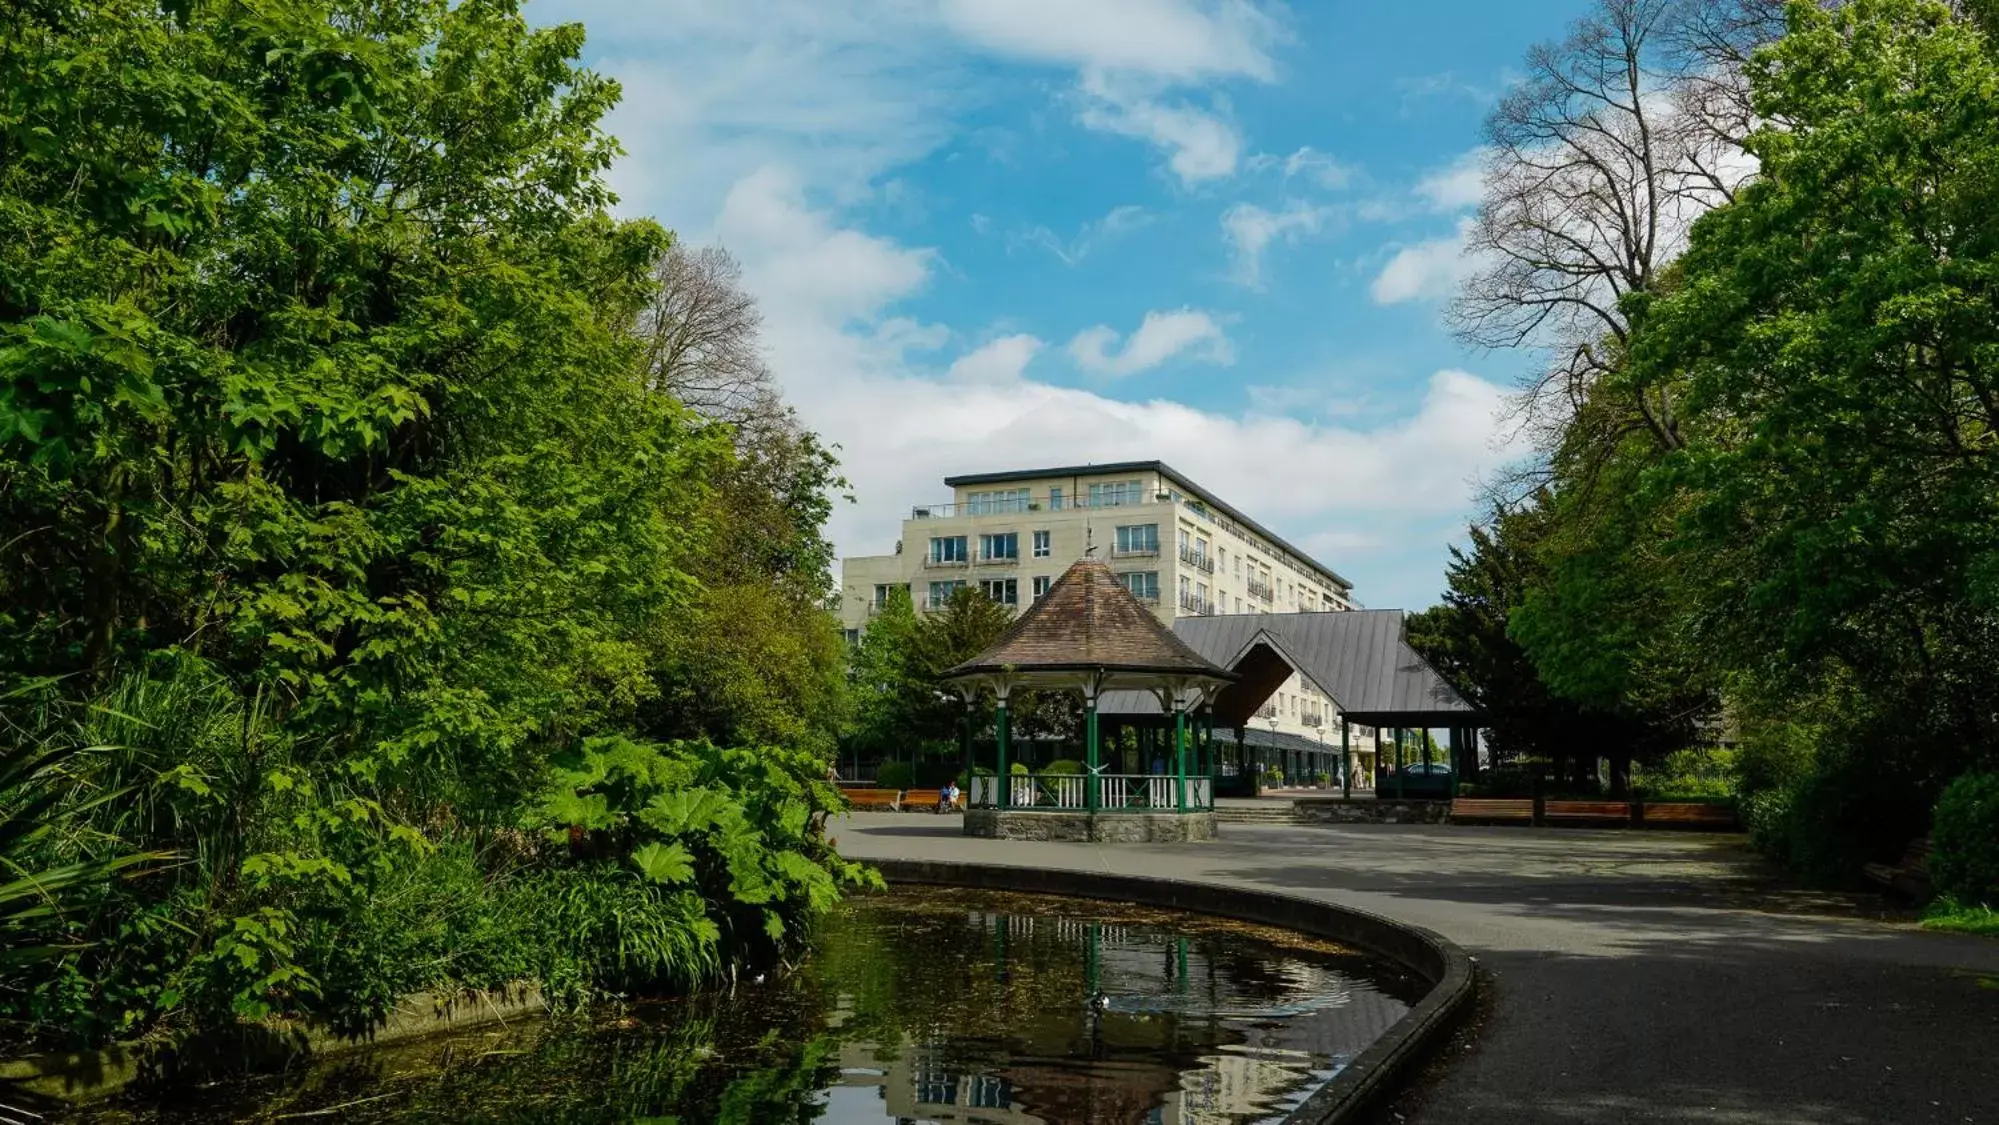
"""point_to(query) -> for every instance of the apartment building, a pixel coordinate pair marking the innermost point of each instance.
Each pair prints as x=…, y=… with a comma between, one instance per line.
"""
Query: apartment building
x=1176, y=546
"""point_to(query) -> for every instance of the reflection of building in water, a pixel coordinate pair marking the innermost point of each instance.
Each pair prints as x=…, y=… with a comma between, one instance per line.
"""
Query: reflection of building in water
x=1175, y=1034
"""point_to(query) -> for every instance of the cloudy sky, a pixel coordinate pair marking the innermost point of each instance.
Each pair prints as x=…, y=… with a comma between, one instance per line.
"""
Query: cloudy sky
x=992, y=234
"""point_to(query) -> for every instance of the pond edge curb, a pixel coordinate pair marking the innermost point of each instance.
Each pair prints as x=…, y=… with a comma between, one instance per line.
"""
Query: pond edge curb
x=1370, y=1076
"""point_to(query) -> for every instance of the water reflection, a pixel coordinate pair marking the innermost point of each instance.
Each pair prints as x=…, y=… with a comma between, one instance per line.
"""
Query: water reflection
x=934, y=1006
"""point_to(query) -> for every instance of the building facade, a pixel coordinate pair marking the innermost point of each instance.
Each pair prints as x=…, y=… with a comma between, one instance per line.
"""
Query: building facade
x=1176, y=546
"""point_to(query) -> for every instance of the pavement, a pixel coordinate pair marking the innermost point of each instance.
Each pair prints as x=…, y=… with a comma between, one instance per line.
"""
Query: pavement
x=1627, y=976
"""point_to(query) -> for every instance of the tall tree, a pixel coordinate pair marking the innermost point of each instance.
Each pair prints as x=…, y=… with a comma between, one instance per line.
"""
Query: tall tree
x=1618, y=137
x=1837, y=331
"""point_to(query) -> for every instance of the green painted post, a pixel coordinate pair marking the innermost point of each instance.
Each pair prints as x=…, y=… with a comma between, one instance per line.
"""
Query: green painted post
x=1346, y=758
x=1400, y=782
x=1091, y=753
x=1179, y=757
x=1003, y=777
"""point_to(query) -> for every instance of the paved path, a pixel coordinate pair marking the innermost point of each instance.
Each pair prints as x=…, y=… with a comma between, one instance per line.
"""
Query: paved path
x=1631, y=976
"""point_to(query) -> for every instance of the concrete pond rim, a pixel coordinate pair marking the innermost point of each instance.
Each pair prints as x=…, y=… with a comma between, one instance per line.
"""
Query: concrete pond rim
x=1374, y=1072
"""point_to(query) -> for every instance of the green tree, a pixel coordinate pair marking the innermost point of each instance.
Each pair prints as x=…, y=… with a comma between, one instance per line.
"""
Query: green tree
x=337, y=478
x=1838, y=330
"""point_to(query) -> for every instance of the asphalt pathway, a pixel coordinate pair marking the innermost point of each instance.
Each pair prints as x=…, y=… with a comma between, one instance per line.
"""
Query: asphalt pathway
x=1630, y=976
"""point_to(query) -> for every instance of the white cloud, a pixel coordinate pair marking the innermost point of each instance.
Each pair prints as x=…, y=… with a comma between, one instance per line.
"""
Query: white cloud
x=1309, y=162
x=1169, y=38
x=1200, y=143
x=1160, y=337
x=1251, y=229
x=1458, y=186
x=999, y=361
x=1426, y=271
x=1117, y=222
x=799, y=261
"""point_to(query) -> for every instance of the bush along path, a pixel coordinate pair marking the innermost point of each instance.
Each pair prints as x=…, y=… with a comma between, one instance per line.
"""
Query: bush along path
x=360, y=565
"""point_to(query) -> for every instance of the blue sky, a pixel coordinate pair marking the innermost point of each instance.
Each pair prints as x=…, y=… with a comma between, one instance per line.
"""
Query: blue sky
x=994, y=234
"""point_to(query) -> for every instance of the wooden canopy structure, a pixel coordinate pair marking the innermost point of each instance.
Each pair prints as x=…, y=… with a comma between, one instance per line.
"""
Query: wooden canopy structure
x=1089, y=634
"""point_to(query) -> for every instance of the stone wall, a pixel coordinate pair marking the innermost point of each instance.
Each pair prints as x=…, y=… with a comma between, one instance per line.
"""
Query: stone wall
x=1369, y=810
x=1104, y=827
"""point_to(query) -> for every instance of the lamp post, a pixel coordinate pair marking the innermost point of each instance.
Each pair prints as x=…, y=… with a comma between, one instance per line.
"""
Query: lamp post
x=1282, y=756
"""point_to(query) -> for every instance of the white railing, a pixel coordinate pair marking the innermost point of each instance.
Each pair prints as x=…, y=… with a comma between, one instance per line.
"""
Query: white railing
x=1114, y=791
x=1023, y=791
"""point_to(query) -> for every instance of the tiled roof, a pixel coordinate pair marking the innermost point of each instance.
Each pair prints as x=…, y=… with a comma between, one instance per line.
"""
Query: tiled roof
x=1088, y=620
x=1360, y=658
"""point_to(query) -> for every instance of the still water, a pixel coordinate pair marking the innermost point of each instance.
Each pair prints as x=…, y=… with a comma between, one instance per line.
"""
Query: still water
x=917, y=1006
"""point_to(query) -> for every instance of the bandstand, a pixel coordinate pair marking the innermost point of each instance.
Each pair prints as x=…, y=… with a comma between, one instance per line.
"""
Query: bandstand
x=1089, y=635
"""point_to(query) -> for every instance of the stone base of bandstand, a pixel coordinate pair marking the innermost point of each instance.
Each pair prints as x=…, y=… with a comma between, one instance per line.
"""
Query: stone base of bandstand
x=1101, y=828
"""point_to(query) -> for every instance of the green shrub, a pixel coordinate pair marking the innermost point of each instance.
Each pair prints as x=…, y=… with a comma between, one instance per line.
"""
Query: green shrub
x=1964, y=841
x=1767, y=816
x=1062, y=766
x=1018, y=769
x=1854, y=808
x=1684, y=774
x=895, y=775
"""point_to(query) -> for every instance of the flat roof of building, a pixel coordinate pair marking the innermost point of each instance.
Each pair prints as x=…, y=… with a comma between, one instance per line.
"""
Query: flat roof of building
x=1165, y=470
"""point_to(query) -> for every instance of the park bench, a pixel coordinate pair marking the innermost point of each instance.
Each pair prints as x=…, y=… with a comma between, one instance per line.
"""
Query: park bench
x=1587, y=812
x=925, y=800
x=1490, y=808
x=1909, y=878
x=890, y=799
x=1692, y=814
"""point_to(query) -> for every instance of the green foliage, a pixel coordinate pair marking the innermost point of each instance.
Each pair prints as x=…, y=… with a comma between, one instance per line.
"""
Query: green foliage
x=894, y=675
x=1691, y=773
x=344, y=533
x=894, y=775
x=1062, y=766
x=1776, y=508
x=1949, y=914
x=1964, y=841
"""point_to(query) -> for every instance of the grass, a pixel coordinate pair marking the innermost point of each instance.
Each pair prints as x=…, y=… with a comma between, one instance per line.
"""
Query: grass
x=1949, y=914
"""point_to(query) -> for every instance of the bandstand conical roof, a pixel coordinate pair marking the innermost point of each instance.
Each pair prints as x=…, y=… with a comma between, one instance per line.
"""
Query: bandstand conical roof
x=1088, y=623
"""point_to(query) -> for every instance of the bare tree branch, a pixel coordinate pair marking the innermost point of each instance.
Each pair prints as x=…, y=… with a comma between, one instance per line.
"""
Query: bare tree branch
x=703, y=337
x=1599, y=161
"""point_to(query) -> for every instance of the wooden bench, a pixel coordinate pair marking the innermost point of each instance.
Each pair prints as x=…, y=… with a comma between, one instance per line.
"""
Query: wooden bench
x=890, y=799
x=1691, y=814
x=1909, y=878
x=925, y=800
x=1590, y=812
x=1491, y=808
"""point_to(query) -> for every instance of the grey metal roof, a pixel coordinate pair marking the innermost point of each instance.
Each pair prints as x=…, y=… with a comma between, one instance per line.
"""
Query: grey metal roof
x=1359, y=658
x=1163, y=469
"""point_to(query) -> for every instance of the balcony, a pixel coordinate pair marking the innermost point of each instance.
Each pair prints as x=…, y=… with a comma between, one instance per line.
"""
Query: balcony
x=999, y=560
x=931, y=562
x=1197, y=560
x=1312, y=718
x=1151, y=552
x=1259, y=590
x=1196, y=604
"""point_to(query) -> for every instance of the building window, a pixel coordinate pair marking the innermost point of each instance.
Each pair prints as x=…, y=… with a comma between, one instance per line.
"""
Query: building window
x=1040, y=586
x=1144, y=585
x=1115, y=494
x=1055, y=499
x=1005, y=545
x=1186, y=588
x=1238, y=605
x=996, y=502
x=853, y=636
x=882, y=590
x=948, y=549
x=1042, y=547
x=1005, y=591
x=1186, y=541
x=1138, y=539
x=940, y=593
x=1238, y=566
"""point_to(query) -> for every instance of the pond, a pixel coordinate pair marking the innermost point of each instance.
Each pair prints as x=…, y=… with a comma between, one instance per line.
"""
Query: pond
x=930, y=1005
